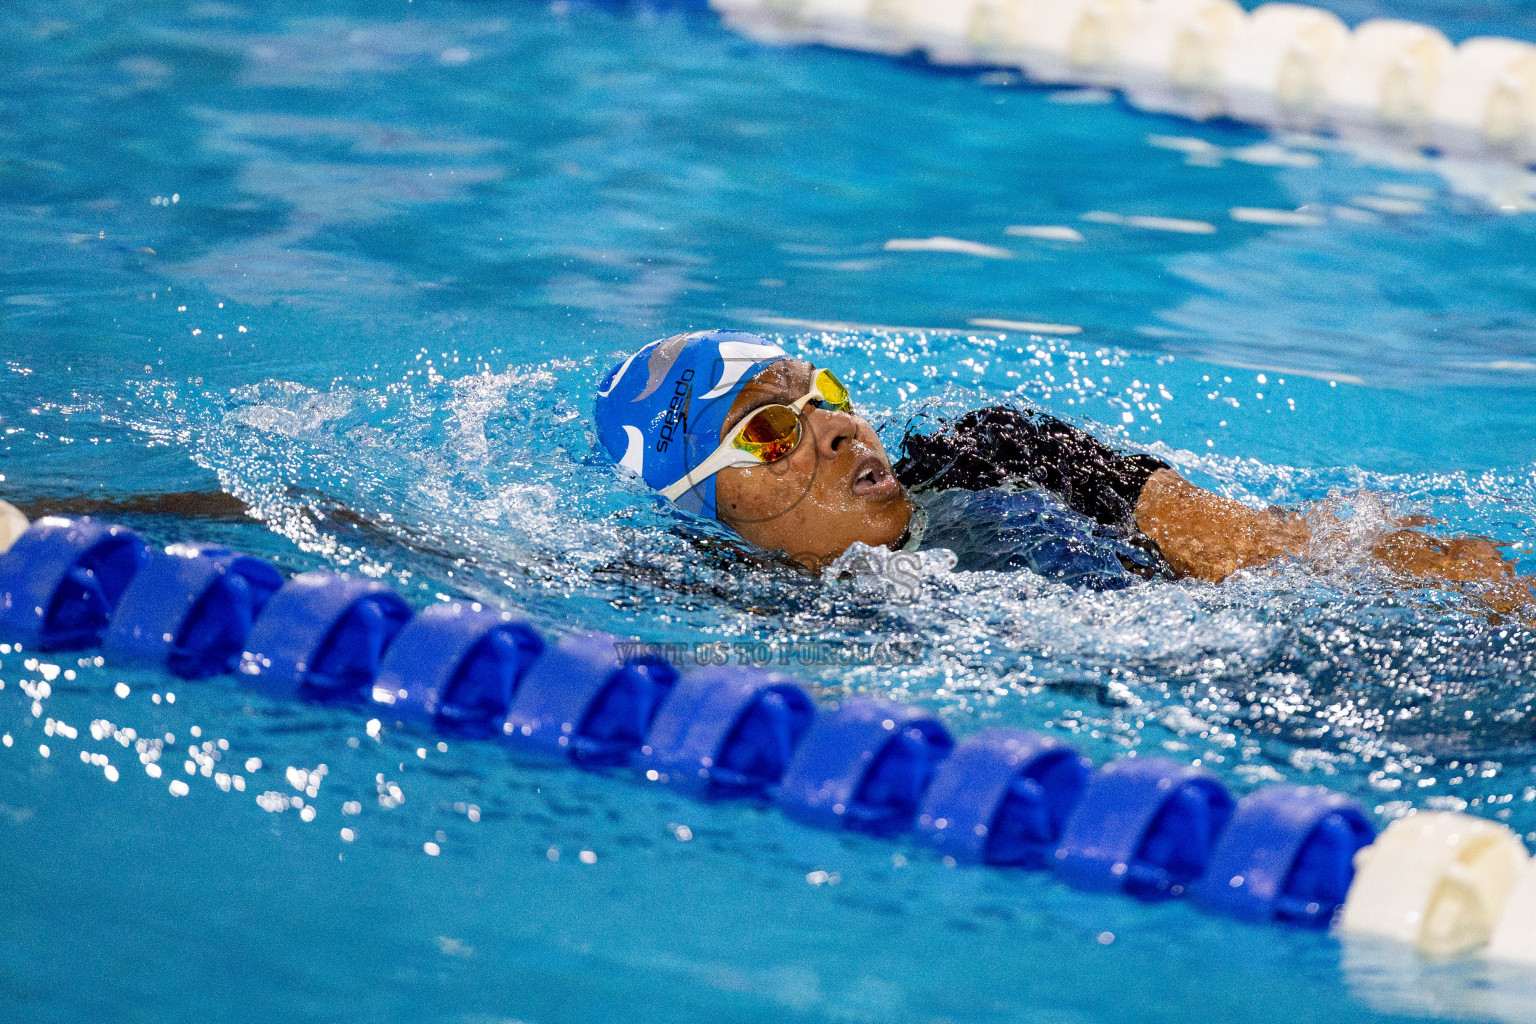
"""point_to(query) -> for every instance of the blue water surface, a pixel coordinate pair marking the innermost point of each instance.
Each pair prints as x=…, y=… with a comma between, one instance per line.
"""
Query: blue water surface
x=343, y=277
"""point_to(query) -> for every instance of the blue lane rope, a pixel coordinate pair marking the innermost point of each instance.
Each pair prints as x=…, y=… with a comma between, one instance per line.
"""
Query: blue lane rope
x=1148, y=827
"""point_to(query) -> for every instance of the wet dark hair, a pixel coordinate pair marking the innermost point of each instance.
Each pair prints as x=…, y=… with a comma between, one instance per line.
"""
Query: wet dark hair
x=1005, y=446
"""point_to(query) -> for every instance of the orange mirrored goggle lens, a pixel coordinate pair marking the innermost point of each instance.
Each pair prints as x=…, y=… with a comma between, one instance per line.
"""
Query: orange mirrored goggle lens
x=770, y=433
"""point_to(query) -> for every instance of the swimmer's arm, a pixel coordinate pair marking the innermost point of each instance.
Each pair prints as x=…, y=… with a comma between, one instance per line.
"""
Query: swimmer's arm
x=1209, y=537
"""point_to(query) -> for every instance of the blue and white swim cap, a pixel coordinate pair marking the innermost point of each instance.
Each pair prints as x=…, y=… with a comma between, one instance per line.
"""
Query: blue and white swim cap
x=660, y=411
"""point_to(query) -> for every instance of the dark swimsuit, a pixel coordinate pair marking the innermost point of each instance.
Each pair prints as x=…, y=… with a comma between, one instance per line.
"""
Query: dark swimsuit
x=1005, y=488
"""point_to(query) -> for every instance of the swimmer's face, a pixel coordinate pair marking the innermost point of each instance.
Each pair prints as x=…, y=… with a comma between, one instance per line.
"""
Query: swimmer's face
x=835, y=488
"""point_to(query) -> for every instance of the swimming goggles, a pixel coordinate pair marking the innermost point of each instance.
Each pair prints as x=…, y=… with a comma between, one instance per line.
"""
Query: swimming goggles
x=766, y=434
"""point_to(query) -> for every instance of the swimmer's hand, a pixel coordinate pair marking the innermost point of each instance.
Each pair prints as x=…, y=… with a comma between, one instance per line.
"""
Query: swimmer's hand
x=1474, y=565
x=1209, y=537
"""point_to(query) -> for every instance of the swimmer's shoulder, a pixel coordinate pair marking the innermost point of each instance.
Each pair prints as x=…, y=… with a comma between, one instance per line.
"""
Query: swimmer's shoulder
x=1025, y=448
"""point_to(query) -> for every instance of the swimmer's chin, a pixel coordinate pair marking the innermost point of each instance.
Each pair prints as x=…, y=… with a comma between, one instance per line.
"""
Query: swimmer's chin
x=887, y=517
x=887, y=533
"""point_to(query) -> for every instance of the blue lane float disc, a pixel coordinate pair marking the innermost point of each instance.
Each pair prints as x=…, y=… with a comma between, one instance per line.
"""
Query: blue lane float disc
x=1003, y=797
x=190, y=609
x=864, y=766
x=1288, y=855
x=1145, y=826
x=322, y=637
x=727, y=732
x=581, y=700
x=61, y=580
x=455, y=668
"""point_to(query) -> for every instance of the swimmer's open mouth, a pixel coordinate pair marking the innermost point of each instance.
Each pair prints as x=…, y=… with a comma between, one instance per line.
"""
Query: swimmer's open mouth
x=872, y=478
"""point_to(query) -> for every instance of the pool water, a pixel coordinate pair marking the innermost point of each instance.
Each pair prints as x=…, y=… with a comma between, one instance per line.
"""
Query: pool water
x=343, y=281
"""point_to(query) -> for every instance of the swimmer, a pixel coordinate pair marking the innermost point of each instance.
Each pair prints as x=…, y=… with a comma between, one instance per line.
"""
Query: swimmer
x=730, y=427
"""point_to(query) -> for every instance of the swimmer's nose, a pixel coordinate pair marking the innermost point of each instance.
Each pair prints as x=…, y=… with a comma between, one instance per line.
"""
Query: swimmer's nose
x=831, y=430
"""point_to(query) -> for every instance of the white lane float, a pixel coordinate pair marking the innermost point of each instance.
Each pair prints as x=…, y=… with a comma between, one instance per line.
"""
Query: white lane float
x=1435, y=880
x=1514, y=937
x=1389, y=77
x=1065, y=41
x=837, y=23
x=946, y=30
x=1176, y=54
x=873, y=26
x=1093, y=37
x=1283, y=64
x=12, y=525
x=1487, y=99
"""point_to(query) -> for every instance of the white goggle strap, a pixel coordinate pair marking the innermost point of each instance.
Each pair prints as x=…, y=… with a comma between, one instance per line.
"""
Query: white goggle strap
x=723, y=457
x=726, y=456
